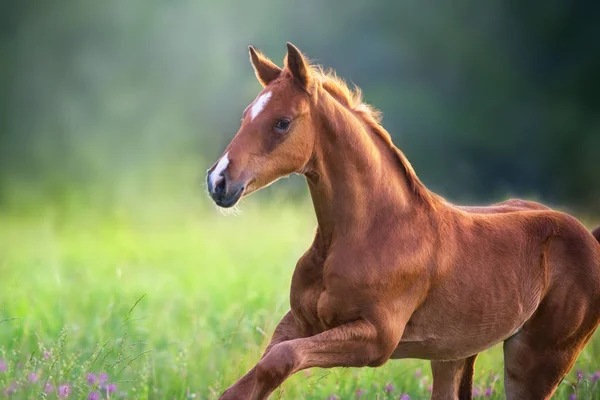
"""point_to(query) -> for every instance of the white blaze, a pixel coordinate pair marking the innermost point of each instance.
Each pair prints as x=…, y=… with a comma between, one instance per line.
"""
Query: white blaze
x=215, y=175
x=259, y=104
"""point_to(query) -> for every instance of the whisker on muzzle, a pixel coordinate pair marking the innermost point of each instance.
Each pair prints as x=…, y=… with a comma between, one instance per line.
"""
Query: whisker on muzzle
x=231, y=211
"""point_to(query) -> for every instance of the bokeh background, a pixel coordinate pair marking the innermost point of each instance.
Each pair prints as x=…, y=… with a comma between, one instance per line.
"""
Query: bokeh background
x=485, y=98
x=112, y=258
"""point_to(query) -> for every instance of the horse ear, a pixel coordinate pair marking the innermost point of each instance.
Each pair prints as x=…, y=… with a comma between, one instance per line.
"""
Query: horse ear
x=298, y=66
x=266, y=71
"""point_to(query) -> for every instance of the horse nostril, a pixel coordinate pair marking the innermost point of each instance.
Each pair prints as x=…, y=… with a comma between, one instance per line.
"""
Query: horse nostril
x=220, y=187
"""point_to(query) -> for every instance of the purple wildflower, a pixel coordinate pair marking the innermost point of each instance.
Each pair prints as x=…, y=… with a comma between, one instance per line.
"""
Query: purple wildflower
x=111, y=388
x=103, y=378
x=430, y=388
x=573, y=396
x=64, y=391
x=488, y=392
x=476, y=392
x=579, y=375
x=389, y=388
x=404, y=396
x=418, y=373
x=48, y=388
x=359, y=393
x=91, y=379
x=2, y=365
x=94, y=396
x=32, y=377
x=46, y=355
x=595, y=377
x=333, y=397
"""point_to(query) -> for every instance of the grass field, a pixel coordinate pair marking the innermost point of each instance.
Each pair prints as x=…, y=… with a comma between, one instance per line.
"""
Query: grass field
x=178, y=302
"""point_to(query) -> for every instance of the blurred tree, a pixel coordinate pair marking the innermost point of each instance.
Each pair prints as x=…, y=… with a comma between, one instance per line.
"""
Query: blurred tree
x=486, y=98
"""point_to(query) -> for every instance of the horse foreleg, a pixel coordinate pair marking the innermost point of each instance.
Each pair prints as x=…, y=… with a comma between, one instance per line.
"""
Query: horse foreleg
x=356, y=344
x=287, y=329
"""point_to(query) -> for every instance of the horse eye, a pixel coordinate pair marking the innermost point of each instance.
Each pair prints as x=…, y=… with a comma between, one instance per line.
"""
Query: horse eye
x=283, y=125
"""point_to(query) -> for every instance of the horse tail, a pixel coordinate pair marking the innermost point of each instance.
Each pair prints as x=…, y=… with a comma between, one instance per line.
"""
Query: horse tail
x=596, y=233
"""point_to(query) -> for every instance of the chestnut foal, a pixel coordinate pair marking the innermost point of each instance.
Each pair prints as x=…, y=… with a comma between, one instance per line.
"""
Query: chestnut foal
x=395, y=271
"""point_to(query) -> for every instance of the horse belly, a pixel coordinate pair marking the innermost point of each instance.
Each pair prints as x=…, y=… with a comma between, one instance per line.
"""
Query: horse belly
x=446, y=348
x=459, y=326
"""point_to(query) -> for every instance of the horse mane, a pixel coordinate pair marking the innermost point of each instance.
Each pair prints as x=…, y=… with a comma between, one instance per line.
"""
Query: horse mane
x=351, y=98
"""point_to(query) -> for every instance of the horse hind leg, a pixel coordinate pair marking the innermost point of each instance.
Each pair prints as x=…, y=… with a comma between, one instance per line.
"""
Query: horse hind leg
x=453, y=379
x=539, y=357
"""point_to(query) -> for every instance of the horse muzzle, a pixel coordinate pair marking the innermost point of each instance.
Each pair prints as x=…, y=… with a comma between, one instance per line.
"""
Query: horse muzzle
x=223, y=191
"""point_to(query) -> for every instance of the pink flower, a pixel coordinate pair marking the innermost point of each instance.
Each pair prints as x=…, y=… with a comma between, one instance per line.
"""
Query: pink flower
x=46, y=355
x=2, y=365
x=32, y=377
x=488, y=392
x=359, y=393
x=91, y=379
x=103, y=378
x=48, y=388
x=404, y=396
x=389, y=388
x=418, y=373
x=64, y=391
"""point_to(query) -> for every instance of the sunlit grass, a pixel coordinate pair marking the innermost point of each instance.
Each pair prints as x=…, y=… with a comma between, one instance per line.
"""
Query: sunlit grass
x=173, y=302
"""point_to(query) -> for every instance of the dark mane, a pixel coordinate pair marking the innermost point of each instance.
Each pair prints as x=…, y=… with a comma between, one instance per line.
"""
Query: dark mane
x=351, y=98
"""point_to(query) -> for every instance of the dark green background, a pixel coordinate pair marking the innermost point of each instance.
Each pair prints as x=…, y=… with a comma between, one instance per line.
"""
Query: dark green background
x=488, y=99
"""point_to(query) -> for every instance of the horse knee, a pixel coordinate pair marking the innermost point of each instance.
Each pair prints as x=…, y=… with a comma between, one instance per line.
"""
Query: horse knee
x=378, y=353
x=278, y=364
x=377, y=357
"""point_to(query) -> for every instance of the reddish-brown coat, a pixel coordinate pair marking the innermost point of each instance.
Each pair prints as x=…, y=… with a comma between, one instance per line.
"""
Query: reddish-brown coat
x=395, y=271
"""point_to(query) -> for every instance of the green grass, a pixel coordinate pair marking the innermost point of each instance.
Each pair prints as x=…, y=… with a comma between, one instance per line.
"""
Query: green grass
x=174, y=303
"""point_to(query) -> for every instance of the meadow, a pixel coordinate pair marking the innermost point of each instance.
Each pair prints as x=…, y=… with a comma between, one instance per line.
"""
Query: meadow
x=176, y=301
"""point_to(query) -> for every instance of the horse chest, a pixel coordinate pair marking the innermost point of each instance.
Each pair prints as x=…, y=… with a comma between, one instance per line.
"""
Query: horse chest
x=304, y=298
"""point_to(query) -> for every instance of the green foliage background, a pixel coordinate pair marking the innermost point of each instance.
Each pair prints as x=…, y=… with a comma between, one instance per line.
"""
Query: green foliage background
x=174, y=301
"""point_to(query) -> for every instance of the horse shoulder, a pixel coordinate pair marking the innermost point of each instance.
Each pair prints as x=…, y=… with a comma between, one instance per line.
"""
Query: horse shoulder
x=360, y=280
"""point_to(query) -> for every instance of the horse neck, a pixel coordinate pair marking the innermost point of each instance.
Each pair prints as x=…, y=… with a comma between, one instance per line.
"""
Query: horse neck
x=354, y=174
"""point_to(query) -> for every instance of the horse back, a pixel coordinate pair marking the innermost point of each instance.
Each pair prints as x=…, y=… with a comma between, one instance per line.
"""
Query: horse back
x=567, y=254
